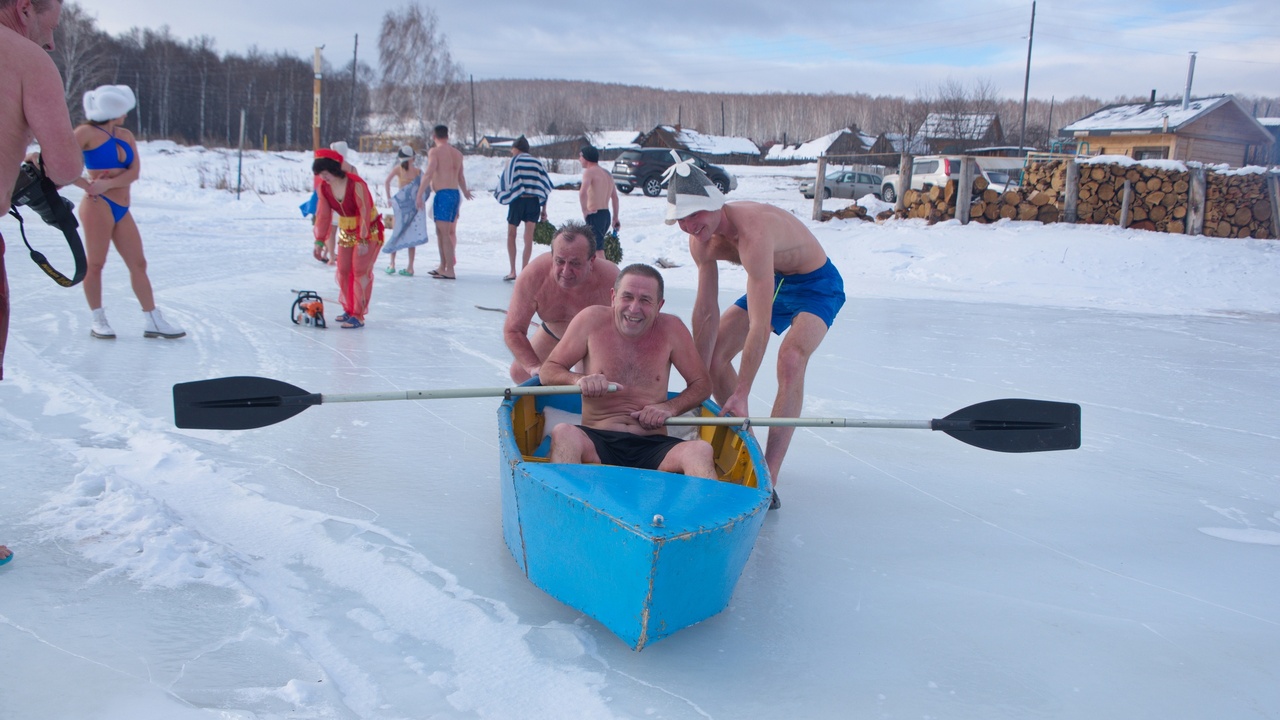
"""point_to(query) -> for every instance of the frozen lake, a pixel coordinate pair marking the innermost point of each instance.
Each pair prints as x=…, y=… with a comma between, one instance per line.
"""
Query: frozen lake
x=349, y=562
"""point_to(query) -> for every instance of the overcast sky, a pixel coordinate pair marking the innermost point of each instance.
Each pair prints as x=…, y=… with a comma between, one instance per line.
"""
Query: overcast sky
x=1098, y=48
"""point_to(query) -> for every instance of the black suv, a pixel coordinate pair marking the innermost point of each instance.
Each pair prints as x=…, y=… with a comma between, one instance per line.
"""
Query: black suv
x=643, y=168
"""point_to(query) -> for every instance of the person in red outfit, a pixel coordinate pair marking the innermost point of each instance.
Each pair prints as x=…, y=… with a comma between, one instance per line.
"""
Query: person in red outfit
x=360, y=232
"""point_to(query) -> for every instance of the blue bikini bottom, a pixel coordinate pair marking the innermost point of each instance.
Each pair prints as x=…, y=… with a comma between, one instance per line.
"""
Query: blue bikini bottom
x=118, y=211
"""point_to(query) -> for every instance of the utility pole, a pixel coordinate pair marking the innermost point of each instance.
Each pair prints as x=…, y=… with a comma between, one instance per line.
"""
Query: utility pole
x=317, y=66
x=474, y=140
x=1026, y=82
x=355, y=54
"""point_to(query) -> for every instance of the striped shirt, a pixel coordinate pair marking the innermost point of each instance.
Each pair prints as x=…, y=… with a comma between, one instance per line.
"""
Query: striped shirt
x=524, y=176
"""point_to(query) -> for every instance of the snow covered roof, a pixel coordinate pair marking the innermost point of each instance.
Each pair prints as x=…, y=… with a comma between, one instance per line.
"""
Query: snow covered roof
x=916, y=145
x=612, y=139
x=713, y=144
x=960, y=126
x=1269, y=122
x=814, y=148
x=1146, y=117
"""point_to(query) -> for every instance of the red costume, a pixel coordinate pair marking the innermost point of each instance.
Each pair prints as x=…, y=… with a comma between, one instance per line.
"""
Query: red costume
x=359, y=227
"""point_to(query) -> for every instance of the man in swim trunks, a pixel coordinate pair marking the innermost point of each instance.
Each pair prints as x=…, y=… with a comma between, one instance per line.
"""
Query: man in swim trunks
x=792, y=287
x=32, y=106
x=598, y=192
x=555, y=286
x=633, y=345
x=443, y=176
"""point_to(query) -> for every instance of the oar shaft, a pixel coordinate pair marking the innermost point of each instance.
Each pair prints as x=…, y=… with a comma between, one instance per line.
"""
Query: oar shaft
x=445, y=394
x=801, y=422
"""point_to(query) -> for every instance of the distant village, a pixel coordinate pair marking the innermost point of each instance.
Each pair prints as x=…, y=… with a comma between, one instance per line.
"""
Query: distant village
x=1214, y=130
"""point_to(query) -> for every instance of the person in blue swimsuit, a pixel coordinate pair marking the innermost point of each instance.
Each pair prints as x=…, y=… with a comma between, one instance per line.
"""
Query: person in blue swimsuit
x=111, y=158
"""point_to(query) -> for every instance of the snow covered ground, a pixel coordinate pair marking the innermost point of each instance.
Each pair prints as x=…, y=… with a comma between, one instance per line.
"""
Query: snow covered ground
x=349, y=563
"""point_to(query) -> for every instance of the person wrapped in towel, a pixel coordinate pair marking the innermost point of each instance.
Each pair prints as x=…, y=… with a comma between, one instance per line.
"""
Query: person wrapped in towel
x=360, y=232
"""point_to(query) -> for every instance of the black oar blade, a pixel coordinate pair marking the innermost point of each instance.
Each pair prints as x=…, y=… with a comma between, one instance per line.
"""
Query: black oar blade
x=237, y=403
x=1015, y=426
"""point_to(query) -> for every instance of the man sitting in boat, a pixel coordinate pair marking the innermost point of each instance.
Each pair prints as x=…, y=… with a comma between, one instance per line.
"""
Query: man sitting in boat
x=555, y=286
x=632, y=345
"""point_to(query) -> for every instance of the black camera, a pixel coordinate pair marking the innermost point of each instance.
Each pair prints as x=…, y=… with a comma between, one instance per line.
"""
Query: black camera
x=35, y=190
x=38, y=192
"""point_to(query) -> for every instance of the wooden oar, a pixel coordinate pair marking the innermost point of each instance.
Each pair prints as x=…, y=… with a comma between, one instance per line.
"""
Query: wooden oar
x=1010, y=425
x=241, y=403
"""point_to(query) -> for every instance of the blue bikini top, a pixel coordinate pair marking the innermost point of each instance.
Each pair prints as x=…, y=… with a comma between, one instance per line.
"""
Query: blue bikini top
x=107, y=155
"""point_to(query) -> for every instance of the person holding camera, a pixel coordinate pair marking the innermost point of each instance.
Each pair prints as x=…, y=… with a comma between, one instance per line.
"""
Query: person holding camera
x=111, y=157
x=32, y=107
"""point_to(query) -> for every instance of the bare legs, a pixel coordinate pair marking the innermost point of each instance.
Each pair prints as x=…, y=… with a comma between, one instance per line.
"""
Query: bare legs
x=447, y=239
x=798, y=344
x=100, y=232
x=511, y=248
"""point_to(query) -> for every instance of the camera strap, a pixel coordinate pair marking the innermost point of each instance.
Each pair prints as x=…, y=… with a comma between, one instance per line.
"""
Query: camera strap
x=73, y=242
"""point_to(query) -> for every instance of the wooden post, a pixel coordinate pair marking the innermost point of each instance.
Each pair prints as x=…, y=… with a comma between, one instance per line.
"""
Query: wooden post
x=1071, y=194
x=1196, y=199
x=1125, y=201
x=904, y=181
x=819, y=185
x=315, y=105
x=964, y=193
x=1273, y=185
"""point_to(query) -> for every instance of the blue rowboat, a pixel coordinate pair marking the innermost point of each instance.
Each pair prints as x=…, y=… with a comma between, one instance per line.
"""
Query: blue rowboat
x=643, y=552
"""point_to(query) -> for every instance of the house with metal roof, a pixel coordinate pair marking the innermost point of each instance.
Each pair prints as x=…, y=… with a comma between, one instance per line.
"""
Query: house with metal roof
x=1213, y=130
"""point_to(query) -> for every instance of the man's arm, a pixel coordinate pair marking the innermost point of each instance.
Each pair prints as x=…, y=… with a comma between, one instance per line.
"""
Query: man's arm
x=428, y=174
x=613, y=198
x=757, y=259
x=584, y=192
x=462, y=179
x=706, y=303
x=515, y=331
x=571, y=350
x=684, y=358
x=45, y=109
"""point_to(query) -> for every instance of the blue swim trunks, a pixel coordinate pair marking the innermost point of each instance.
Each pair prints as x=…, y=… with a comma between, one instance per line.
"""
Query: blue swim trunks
x=445, y=208
x=820, y=292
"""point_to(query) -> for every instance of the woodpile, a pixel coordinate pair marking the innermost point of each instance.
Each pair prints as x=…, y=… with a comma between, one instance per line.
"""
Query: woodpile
x=1158, y=196
x=854, y=211
x=937, y=202
x=1237, y=206
x=1015, y=204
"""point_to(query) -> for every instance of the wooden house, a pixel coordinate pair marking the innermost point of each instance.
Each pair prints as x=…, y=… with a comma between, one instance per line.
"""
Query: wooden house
x=953, y=133
x=713, y=148
x=1210, y=130
x=491, y=145
x=846, y=143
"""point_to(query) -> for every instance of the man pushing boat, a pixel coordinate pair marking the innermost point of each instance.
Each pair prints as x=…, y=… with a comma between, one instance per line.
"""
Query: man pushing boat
x=792, y=288
x=555, y=286
x=633, y=345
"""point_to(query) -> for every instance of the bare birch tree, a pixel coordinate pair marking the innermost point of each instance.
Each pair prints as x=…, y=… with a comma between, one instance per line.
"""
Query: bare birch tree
x=419, y=79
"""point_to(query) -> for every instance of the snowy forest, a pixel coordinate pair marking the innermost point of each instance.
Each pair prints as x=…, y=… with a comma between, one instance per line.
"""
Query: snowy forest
x=189, y=92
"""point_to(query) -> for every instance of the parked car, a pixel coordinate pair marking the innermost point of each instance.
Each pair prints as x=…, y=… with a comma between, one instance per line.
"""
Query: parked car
x=845, y=184
x=927, y=170
x=643, y=169
x=1000, y=180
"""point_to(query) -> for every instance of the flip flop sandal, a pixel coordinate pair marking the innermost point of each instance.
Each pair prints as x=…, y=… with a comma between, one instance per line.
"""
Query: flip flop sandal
x=407, y=273
x=352, y=322
x=392, y=271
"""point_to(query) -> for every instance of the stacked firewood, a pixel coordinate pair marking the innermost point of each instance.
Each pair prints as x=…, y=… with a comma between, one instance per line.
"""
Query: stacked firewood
x=1016, y=204
x=1158, y=196
x=1237, y=206
x=937, y=202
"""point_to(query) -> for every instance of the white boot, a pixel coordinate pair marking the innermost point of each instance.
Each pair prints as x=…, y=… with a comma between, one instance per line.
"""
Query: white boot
x=100, y=328
x=157, y=327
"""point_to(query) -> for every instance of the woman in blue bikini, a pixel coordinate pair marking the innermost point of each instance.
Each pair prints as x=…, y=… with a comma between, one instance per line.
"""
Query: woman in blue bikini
x=111, y=158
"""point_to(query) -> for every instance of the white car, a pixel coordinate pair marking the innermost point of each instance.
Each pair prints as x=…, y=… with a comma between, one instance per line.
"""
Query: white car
x=927, y=170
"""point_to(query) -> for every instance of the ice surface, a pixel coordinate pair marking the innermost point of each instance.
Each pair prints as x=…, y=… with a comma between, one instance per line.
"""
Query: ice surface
x=349, y=562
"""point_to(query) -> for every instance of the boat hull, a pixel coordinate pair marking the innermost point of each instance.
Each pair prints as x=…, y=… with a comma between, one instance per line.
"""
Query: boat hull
x=643, y=552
